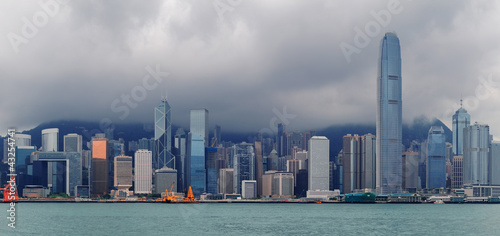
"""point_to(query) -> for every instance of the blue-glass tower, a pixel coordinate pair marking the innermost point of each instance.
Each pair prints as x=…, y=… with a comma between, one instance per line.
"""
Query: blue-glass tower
x=461, y=120
x=389, y=117
x=163, y=135
x=436, y=158
x=196, y=177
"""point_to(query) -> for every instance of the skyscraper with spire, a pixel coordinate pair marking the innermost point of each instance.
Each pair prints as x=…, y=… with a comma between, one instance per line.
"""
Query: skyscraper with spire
x=163, y=135
x=389, y=117
x=461, y=120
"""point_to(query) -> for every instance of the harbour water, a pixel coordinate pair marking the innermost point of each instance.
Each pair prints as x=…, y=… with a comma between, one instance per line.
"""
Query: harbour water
x=252, y=219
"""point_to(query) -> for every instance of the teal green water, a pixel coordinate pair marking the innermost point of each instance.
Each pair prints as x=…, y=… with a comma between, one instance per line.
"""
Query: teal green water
x=251, y=219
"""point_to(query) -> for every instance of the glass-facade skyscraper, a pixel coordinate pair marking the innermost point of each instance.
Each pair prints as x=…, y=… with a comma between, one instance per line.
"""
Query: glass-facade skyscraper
x=199, y=124
x=244, y=164
x=389, y=117
x=196, y=177
x=461, y=120
x=436, y=158
x=163, y=135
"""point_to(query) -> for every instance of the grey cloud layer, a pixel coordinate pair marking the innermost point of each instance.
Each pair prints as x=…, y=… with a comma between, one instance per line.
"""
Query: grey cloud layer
x=261, y=55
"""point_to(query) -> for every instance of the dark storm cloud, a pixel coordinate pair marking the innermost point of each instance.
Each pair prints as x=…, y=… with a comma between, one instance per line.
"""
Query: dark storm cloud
x=245, y=60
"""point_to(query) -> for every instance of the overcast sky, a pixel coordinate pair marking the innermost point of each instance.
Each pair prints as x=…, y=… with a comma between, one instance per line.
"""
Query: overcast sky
x=242, y=59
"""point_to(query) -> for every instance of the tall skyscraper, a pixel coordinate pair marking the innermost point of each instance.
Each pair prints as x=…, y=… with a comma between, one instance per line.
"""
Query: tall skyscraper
x=50, y=139
x=389, y=117
x=495, y=163
x=72, y=143
x=211, y=169
x=461, y=120
x=244, y=164
x=281, y=140
x=368, y=160
x=318, y=158
x=195, y=161
x=143, y=176
x=436, y=158
x=259, y=169
x=476, y=154
x=410, y=171
x=163, y=136
x=199, y=124
x=100, y=166
x=180, y=145
x=352, y=163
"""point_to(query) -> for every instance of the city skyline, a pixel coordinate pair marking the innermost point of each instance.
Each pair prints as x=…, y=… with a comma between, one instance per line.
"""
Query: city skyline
x=281, y=67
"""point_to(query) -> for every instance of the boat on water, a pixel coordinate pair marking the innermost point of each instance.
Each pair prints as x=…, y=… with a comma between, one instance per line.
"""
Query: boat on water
x=439, y=202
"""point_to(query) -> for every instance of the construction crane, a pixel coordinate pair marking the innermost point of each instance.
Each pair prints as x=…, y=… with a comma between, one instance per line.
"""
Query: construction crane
x=213, y=143
x=6, y=190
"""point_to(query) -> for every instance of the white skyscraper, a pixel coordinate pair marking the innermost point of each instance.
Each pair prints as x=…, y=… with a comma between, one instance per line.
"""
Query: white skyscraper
x=143, y=176
x=476, y=154
x=50, y=138
x=319, y=157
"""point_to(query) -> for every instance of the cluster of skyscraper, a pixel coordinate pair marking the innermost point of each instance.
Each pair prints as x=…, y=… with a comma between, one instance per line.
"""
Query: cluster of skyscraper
x=292, y=163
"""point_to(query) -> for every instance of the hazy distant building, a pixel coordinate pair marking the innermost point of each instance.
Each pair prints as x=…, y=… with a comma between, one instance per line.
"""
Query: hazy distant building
x=476, y=154
x=389, y=117
x=143, y=172
x=225, y=181
x=457, y=174
x=436, y=158
x=495, y=163
x=72, y=143
x=50, y=139
x=410, y=171
x=163, y=136
x=461, y=120
x=281, y=140
x=318, y=164
x=249, y=189
x=244, y=164
x=100, y=164
x=294, y=139
x=164, y=178
x=123, y=172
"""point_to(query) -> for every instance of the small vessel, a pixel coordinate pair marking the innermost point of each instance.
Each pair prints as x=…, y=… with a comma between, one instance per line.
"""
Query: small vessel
x=439, y=202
